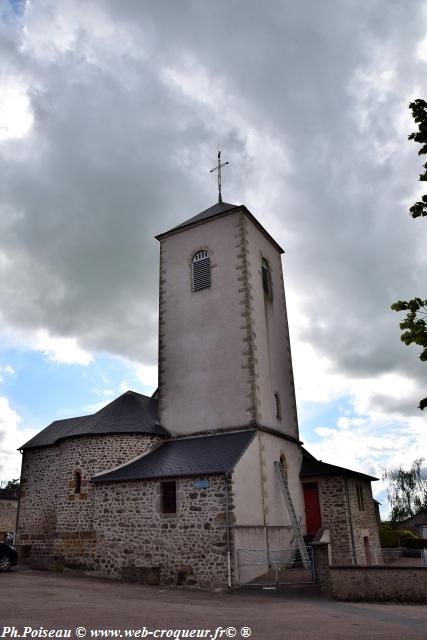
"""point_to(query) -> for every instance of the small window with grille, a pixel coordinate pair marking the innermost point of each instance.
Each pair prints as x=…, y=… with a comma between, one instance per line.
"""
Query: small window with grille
x=201, y=268
x=266, y=277
x=168, y=497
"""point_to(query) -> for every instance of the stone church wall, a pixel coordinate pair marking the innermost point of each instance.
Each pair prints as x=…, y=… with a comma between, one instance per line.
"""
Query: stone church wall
x=53, y=519
x=346, y=522
x=189, y=547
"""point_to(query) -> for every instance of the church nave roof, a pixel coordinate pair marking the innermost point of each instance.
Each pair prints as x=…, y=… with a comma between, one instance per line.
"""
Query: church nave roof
x=192, y=456
x=129, y=413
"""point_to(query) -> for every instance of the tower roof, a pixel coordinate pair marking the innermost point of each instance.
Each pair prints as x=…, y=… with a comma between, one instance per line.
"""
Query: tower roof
x=129, y=413
x=217, y=210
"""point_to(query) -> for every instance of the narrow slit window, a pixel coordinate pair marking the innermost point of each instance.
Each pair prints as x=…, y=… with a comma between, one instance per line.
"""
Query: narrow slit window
x=168, y=495
x=266, y=277
x=77, y=482
x=360, y=502
x=278, y=407
x=201, y=270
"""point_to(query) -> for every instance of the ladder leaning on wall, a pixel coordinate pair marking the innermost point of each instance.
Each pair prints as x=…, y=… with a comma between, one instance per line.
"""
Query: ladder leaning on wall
x=291, y=510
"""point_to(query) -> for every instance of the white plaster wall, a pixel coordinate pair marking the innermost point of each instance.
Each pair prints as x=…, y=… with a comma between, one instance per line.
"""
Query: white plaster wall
x=203, y=384
x=261, y=518
x=257, y=494
x=247, y=488
x=272, y=447
x=270, y=325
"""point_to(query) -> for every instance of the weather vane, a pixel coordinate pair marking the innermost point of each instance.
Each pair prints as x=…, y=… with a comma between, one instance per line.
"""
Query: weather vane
x=218, y=168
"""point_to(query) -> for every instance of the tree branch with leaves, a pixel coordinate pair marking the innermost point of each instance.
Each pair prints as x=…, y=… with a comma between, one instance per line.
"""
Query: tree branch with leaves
x=414, y=326
x=407, y=490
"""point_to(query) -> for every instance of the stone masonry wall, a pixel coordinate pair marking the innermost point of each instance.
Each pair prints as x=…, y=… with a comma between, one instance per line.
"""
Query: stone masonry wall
x=8, y=511
x=365, y=524
x=335, y=517
x=188, y=547
x=53, y=519
x=379, y=583
x=346, y=521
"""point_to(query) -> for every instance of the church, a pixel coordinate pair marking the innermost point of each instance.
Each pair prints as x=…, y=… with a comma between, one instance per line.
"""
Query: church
x=176, y=488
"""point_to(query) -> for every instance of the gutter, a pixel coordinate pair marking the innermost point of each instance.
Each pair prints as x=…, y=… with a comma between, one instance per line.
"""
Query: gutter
x=227, y=528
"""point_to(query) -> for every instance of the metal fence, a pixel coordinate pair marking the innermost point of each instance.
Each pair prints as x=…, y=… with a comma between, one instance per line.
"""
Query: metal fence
x=274, y=566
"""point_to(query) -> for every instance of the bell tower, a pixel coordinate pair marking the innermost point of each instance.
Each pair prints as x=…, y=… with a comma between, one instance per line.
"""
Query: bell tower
x=224, y=351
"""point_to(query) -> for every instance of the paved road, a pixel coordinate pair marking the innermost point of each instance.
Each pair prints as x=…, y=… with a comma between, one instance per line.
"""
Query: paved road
x=65, y=601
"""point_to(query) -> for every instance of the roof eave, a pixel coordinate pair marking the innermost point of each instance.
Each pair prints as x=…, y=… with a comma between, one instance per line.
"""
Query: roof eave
x=235, y=208
x=194, y=474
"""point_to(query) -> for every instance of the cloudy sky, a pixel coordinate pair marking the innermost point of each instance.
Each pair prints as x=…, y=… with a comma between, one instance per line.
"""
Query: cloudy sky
x=110, y=118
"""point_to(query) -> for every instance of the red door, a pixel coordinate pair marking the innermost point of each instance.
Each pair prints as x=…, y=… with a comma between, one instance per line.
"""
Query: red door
x=312, y=508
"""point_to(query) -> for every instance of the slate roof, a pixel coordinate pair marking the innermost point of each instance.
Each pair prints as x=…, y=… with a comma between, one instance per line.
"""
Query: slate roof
x=129, y=413
x=312, y=467
x=195, y=456
x=215, y=210
x=220, y=208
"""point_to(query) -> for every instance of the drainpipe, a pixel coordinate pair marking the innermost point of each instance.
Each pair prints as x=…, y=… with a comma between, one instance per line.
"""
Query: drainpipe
x=264, y=519
x=351, y=524
x=19, y=500
x=227, y=528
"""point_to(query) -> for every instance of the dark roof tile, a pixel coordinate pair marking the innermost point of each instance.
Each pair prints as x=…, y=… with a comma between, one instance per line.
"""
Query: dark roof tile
x=195, y=456
x=129, y=413
x=312, y=467
x=216, y=209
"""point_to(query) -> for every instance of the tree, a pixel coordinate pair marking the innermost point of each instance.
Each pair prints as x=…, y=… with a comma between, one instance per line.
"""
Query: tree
x=407, y=490
x=414, y=326
x=419, y=113
x=13, y=484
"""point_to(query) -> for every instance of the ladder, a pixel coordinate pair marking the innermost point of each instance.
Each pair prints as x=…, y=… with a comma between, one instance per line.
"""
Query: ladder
x=291, y=510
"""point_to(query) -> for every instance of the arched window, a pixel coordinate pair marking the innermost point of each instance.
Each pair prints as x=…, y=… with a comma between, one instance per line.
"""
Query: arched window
x=278, y=407
x=77, y=482
x=201, y=270
x=266, y=277
x=284, y=464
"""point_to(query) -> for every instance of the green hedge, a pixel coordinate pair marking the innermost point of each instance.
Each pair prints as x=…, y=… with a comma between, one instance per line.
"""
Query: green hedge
x=390, y=538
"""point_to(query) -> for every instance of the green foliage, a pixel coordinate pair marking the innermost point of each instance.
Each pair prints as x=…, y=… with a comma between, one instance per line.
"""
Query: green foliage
x=419, y=113
x=414, y=543
x=13, y=484
x=414, y=326
x=390, y=538
x=407, y=490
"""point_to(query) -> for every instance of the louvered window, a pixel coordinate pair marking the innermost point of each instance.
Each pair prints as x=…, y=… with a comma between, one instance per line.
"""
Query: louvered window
x=266, y=279
x=201, y=271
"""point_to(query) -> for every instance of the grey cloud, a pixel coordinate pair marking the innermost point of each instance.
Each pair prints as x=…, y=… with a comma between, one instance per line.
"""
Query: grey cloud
x=117, y=155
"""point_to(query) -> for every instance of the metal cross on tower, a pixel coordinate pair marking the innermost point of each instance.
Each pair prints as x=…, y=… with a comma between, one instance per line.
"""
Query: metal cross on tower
x=218, y=168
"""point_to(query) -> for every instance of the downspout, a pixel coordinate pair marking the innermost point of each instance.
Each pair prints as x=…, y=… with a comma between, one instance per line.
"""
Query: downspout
x=351, y=524
x=264, y=520
x=19, y=500
x=227, y=528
